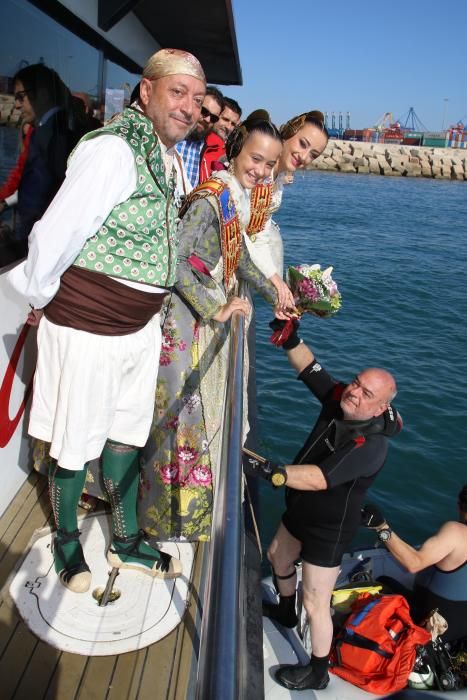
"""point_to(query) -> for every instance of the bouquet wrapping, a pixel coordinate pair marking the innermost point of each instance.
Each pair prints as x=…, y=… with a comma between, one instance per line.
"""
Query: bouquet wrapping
x=314, y=292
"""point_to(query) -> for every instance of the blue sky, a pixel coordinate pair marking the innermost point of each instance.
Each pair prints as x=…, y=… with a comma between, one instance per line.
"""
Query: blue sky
x=364, y=57
x=359, y=56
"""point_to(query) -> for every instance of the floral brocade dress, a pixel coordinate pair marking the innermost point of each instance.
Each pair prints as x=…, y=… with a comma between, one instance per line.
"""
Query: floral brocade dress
x=180, y=460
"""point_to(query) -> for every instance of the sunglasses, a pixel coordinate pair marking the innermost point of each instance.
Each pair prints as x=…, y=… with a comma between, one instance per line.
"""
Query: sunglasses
x=205, y=113
x=20, y=95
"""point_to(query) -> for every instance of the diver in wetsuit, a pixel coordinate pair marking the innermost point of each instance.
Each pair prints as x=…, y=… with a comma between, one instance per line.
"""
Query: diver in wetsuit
x=326, y=485
x=440, y=566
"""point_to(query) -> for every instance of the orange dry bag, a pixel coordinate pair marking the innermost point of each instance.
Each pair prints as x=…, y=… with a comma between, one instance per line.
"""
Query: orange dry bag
x=376, y=648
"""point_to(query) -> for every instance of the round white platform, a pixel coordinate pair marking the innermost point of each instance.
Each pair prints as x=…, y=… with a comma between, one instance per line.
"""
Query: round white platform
x=147, y=609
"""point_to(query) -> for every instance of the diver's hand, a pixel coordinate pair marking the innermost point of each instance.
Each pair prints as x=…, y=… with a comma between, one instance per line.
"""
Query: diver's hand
x=372, y=517
x=265, y=469
x=285, y=333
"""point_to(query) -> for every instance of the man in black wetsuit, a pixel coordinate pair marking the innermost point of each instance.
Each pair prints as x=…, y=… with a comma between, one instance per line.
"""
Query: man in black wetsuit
x=326, y=485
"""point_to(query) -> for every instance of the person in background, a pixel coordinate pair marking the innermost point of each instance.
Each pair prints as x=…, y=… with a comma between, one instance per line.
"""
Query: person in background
x=439, y=565
x=190, y=149
x=213, y=152
x=101, y=260
x=229, y=118
x=9, y=198
x=180, y=459
x=305, y=138
x=45, y=104
x=9, y=189
x=326, y=485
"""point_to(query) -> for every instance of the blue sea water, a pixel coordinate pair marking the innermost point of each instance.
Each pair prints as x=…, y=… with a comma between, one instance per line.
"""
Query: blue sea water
x=399, y=255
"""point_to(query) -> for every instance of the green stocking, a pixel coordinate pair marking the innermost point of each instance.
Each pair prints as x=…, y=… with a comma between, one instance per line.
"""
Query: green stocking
x=121, y=476
x=65, y=489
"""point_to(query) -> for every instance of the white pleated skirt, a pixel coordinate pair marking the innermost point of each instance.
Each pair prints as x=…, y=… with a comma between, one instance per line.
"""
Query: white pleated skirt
x=89, y=388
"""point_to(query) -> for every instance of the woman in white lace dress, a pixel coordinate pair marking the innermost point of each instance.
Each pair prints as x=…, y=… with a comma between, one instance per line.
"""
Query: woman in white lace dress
x=305, y=138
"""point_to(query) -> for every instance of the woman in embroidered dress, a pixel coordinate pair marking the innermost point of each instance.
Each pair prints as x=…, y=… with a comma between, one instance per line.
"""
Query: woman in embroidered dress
x=180, y=458
x=305, y=138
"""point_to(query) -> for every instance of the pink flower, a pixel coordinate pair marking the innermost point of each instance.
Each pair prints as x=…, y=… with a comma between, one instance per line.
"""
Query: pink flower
x=308, y=290
x=182, y=345
x=172, y=424
x=168, y=344
x=164, y=359
x=200, y=476
x=187, y=455
x=170, y=473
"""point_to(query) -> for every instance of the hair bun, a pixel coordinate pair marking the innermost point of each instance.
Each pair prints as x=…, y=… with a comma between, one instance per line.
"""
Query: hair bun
x=259, y=114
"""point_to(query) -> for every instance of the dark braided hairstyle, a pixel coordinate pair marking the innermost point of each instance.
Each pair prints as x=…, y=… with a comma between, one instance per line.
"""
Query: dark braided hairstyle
x=291, y=127
x=259, y=122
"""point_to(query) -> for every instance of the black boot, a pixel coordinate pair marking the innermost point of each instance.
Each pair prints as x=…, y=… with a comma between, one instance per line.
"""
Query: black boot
x=313, y=676
x=283, y=612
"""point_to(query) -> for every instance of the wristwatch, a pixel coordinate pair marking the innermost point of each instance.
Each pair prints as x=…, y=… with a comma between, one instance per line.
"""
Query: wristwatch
x=384, y=535
x=279, y=477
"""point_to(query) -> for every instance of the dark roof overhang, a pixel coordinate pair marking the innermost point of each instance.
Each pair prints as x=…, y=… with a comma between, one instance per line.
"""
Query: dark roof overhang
x=128, y=31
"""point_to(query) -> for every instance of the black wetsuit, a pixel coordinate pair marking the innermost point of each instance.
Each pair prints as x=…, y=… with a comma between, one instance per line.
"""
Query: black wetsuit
x=350, y=454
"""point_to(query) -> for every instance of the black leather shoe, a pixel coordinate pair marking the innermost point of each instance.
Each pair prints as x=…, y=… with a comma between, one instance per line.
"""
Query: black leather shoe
x=301, y=677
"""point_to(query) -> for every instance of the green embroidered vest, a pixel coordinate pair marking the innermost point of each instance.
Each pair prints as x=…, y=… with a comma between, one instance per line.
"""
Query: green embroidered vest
x=138, y=239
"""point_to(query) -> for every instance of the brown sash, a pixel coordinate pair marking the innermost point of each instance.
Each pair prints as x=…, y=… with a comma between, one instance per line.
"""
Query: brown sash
x=95, y=303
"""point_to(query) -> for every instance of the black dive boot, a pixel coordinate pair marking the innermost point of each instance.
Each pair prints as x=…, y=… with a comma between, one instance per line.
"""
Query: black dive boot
x=282, y=612
x=313, y=676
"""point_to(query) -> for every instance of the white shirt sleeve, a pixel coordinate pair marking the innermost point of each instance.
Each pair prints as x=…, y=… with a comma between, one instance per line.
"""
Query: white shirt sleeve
x=267, y=250
x=101, y=174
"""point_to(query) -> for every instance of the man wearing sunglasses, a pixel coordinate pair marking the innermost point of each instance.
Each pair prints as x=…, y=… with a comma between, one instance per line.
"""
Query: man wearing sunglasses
x=190, y=149
x=213, y=152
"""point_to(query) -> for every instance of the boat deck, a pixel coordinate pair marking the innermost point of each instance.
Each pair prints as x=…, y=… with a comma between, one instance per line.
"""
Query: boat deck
x=30, y=668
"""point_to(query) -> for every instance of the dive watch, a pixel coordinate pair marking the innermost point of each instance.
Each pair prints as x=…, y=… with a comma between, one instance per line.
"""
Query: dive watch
x=384, y=535
x=279, y=477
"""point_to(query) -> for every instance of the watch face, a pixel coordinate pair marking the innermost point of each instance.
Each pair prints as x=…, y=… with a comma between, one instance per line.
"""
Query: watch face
x=384, y=535
x=278, y=479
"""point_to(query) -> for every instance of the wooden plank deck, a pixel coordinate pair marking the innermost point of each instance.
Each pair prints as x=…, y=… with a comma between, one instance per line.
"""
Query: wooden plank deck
x=32, y=670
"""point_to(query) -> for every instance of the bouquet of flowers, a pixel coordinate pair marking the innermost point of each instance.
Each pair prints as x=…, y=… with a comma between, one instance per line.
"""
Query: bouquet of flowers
x=314, y=292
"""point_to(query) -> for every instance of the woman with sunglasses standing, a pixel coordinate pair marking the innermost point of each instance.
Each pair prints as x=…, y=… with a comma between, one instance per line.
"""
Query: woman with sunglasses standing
x=305, y=137
x=180, y=459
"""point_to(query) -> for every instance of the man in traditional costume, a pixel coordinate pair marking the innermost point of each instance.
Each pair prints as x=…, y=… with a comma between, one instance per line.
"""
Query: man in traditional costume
x=101, y=261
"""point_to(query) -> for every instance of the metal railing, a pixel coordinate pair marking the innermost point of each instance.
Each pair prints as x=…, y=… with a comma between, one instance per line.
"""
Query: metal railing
x=222, y=630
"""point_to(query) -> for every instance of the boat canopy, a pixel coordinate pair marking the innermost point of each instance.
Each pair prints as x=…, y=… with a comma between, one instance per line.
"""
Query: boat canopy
x=128, y=31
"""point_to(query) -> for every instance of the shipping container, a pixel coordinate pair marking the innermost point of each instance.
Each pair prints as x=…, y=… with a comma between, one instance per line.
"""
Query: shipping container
x=353, y=135
x=434, y=134
x=435, y=142
x=410, y=141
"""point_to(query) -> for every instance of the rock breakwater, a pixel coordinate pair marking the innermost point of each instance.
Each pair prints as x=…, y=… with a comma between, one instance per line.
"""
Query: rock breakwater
x=393, y=160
